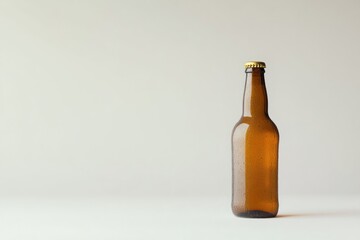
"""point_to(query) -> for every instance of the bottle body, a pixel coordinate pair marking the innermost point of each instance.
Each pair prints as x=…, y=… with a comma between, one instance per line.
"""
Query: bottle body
x=255, y=142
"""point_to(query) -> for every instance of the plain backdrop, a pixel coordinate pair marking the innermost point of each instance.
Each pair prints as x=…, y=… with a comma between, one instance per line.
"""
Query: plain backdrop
x=139, y=98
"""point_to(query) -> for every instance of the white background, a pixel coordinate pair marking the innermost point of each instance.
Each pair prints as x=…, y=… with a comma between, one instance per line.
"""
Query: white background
x=138, y=98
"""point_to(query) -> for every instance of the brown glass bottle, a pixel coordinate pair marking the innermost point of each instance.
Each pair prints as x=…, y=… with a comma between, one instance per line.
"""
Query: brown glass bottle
x=255, y=141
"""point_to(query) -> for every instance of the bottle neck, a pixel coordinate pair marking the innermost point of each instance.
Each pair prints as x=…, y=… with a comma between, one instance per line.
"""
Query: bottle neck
x=255, y=102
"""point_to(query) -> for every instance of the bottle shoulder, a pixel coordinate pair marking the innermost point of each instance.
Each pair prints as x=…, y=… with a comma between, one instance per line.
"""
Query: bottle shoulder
x=256, y=124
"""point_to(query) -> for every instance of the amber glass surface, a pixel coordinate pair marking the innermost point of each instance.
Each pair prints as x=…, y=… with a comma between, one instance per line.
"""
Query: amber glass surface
x=255, y=141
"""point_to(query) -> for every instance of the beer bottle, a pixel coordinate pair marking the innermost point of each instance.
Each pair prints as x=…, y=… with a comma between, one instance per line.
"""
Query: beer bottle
x=255, y=141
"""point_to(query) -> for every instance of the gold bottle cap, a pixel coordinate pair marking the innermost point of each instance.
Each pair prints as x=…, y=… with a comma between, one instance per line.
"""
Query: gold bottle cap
x=255, y=64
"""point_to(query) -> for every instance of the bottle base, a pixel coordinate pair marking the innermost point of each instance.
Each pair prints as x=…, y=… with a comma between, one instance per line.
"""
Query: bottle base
x=255, y=214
